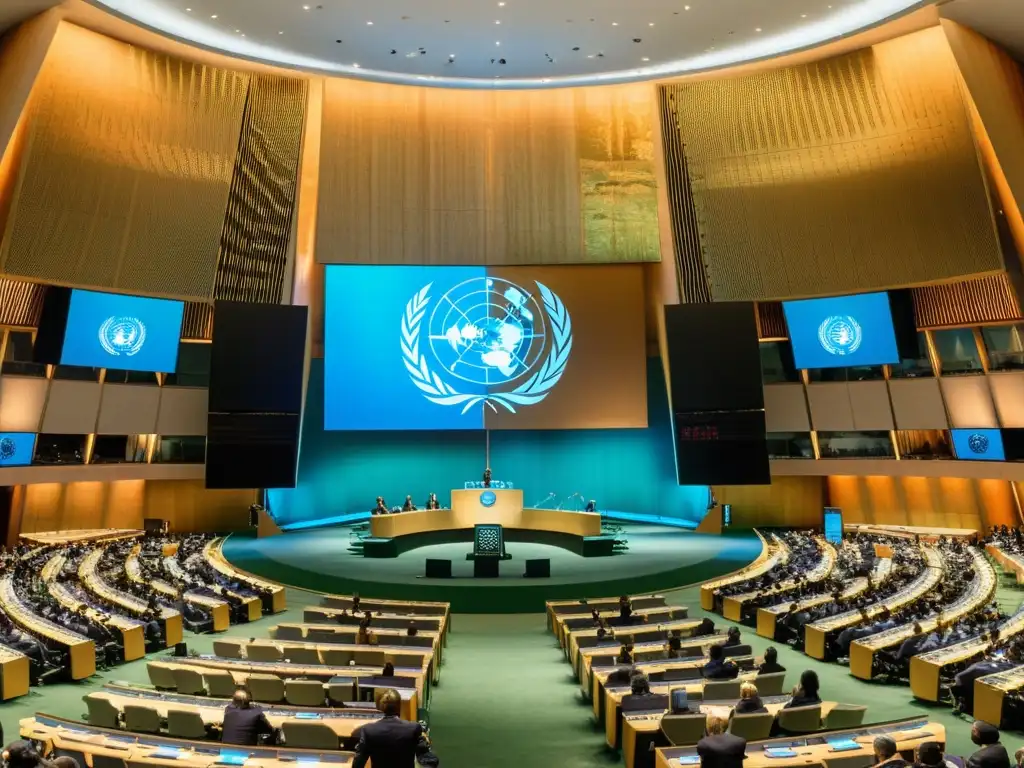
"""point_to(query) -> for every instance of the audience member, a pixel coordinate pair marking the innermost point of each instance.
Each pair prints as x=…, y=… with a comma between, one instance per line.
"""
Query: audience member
x=718, y=668
x=392, y=742
x=992, y=754
x=770, y=665
x=929, y=755
x=805, y=694
x=886, y=753
x=720, y=749
x=750, y=702
x=244, y=723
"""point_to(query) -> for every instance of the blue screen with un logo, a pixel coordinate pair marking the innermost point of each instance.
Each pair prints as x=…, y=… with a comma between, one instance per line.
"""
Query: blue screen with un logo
x=842, y=331
x=132, y=333
x=438, y=347
x=978, y=444
x=16, y=448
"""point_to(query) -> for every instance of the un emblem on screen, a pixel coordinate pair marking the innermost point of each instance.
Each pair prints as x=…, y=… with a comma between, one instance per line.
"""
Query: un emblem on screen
x=122, y=336
x=840, y=335
x=488, y=498
x=486, y=332
x=978, y=443
x=7, y=449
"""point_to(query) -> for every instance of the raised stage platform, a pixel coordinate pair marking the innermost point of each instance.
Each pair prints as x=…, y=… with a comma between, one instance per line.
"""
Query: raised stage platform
x=659, y=558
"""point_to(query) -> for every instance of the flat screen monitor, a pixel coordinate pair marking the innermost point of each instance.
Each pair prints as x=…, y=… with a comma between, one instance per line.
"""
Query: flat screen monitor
x=726, y=515
x=132, y=333
x=833, y=524
x=17, y=448
x=842, y=331
x=978, y=444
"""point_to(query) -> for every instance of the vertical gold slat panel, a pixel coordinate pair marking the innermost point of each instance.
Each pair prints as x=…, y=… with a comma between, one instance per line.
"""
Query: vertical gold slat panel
x=21, y=303
x=197, y=322
x=441, y=176
x=689, y=256
x=258, y=224
x=771, y=321
x=125, y=178
x=849, y=174
x=989, y=299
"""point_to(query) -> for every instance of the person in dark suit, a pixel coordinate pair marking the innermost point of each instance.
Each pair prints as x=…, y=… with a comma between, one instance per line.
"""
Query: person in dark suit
x=732, y=637
x=886, y=753
x=720, y=749
x=717, y=668
x=770, y=665
x=243, y=722
x=392, y=742
x=805, y=694
x=625, y=654
x=408, y=506
x=381, y=508
x=432, y=502
x=487, y=477
x=992, y=754
x=750, y=702
x=625, y=609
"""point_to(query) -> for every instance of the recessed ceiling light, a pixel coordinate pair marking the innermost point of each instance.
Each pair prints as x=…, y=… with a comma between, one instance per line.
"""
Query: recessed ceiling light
x=238, y=30
x=758, y=29
x=214, y=16
x=355, y=65
x=686, y=7
x=502, y=3
x=497, y=42
x=651, y=24
x=369, y=23
x=189, y=10
x=645, y=59
x=305, y=7
x=615, y=23
x=281, y=32
x=497, y=21
x=803, y=15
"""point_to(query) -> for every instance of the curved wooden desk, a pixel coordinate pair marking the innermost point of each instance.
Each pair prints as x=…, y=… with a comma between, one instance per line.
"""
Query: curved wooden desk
x=464, y=518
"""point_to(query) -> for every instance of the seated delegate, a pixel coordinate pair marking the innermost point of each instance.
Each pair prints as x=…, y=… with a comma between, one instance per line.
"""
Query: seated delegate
x=770, y=665
x=720, y=749
x=805, y=694
x=243, y=722
x=718, y=668
x=392, y=742
x=750, y=702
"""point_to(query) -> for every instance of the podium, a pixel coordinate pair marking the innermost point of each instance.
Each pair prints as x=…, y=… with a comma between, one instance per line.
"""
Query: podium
x=487, y=505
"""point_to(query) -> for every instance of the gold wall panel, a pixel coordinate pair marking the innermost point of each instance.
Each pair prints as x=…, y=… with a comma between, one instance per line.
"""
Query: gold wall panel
x=789, y=502
x=946, y=502
x=258, y=225
x=854, y=173
x=125, y=177
x=439, y=176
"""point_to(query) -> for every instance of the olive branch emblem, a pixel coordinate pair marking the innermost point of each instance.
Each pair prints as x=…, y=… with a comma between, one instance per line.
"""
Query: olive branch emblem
x=530, y=392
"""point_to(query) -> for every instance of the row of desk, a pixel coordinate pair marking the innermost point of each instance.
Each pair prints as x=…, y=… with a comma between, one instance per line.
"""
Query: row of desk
x=218, y=609
x=1011, y=562
x=773, y=552
x=214, y=555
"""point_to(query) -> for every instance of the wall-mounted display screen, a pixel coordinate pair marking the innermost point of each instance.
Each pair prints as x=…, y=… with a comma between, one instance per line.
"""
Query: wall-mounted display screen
x=17, y=448
x=833, y=525
x=978, y=444
x=842, y=331
x=133, y=333
x=409, y=348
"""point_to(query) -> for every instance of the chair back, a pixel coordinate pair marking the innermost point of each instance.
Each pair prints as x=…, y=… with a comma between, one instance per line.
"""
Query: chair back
x=107, y=761
x=188, y=681
x=770, y=684
x=800, y=719
x=227, y=649
x=185, y=724
x=752, y=727
x=845, y=716
x=161, y=676
x=304, y=693
x=337, y=657
x=286, y=632
x=369, y=658
x=339, y=693
x=721, y=690
x=849, y=761
x=257, y=652
x=682, y=730
x=219, y=683
x=322, y=636
x=301, y=735
x=737, y=650
x=141, y=719
x=407, y=660
x=266, y=688
x=298, y=654
x=102, y=713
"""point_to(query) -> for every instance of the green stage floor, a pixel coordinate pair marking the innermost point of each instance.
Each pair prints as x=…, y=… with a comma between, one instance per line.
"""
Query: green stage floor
x=659, y=558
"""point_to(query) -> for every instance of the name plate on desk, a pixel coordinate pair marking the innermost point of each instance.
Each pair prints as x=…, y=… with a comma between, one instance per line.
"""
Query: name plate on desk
x=501, y=485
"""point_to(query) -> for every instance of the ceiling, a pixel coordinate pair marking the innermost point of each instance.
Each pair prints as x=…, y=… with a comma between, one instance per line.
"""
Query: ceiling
x=1002, y=21
x=508, y=43
x=13, y=12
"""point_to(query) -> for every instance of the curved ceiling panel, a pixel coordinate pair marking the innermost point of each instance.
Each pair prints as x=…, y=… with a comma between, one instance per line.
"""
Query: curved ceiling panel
x=508, y=43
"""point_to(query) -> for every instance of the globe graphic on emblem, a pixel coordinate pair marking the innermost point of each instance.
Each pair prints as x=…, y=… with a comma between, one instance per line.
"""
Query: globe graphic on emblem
x=487, y=498
x=840, y=335
x=487, y=331
x=978, y=443
x=7, y=449
x=122, y=335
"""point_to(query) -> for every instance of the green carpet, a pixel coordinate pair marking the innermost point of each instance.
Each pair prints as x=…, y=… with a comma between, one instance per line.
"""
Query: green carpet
x=659, y=558
x=507, y=697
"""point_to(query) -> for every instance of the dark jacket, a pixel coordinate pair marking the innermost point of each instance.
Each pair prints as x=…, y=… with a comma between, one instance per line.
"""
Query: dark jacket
x=724, y=750
x=719, y=670
x=244, y=726
x=770, y=668
x=802, y=700
x=992, y=756
x=749, y=706
x=393, y=743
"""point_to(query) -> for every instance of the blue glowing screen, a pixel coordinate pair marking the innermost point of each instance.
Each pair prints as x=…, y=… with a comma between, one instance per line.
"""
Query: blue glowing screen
x=842, y=331
x=437, y=347
x=107, y=330
x=16, y=448
x=978, y=444
x=833, y=524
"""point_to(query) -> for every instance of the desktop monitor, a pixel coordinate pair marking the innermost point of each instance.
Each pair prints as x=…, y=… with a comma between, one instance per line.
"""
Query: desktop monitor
x=833, y=524
x=842, y=331
x=978, y=444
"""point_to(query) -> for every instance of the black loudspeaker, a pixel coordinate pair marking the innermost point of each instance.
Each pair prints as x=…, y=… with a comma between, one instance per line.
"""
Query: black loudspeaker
x=439, y=569
x=181, y=649
x=485, y=568
x=538, y=569
x=53, y=321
